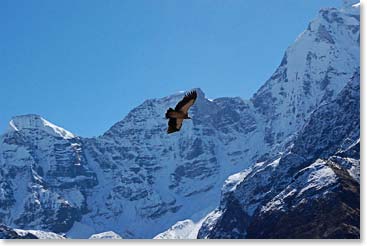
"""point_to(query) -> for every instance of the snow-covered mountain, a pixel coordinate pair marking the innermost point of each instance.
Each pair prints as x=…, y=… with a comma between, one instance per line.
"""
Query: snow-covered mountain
x=309, y=191
x=139, y=182
x=10, y=233
x=44, y=175
x=313, y=71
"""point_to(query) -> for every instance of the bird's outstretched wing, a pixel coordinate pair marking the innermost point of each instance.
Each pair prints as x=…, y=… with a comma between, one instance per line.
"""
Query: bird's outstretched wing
x=186, y=102
x=174, y=125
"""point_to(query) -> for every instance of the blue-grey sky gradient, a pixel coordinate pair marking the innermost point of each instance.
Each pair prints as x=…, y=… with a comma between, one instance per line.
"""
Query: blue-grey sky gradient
x=84, y=64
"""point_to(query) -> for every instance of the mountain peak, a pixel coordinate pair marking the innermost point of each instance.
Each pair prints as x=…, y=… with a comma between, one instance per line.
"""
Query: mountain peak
x=25, y=121
x=350, y=2
x=34, y=121
x=198, y=90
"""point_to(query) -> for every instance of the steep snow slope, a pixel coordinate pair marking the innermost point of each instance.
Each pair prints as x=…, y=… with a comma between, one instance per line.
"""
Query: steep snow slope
x=313, y=71
x=310, y=191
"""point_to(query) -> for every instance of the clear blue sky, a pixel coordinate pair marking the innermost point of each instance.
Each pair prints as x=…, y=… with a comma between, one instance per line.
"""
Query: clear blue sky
x=85, y=64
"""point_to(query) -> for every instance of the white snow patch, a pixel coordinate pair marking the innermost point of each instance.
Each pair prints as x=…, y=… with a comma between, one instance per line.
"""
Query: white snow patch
x=232, y=181
x=319, y=176
x=12, y=125
x=37, y=122
x=106, y=235
x=39, y=234
x=316, y=176
x=275, y=163
x=186, y=229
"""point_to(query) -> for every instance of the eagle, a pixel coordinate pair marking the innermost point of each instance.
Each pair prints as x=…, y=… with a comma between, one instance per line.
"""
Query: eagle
x=176, y=116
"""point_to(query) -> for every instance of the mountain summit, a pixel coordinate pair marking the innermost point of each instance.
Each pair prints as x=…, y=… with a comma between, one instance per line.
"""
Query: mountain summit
x=36, y=122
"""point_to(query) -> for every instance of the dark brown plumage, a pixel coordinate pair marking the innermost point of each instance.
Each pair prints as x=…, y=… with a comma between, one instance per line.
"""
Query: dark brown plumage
x=177, y=115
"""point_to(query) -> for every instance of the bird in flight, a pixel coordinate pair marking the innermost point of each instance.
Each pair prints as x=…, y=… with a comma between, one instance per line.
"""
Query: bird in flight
x=177, y=115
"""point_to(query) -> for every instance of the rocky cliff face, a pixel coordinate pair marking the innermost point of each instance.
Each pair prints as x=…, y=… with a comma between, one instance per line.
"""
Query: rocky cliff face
x=44, y=175
x=301, y=188
x=310, y=191
x=313, y=71
x=148, y=180
x=138, y=181
x=10, y=233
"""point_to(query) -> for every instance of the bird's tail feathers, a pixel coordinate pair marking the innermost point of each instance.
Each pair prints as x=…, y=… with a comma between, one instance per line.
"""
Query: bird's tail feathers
x=169, y=111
